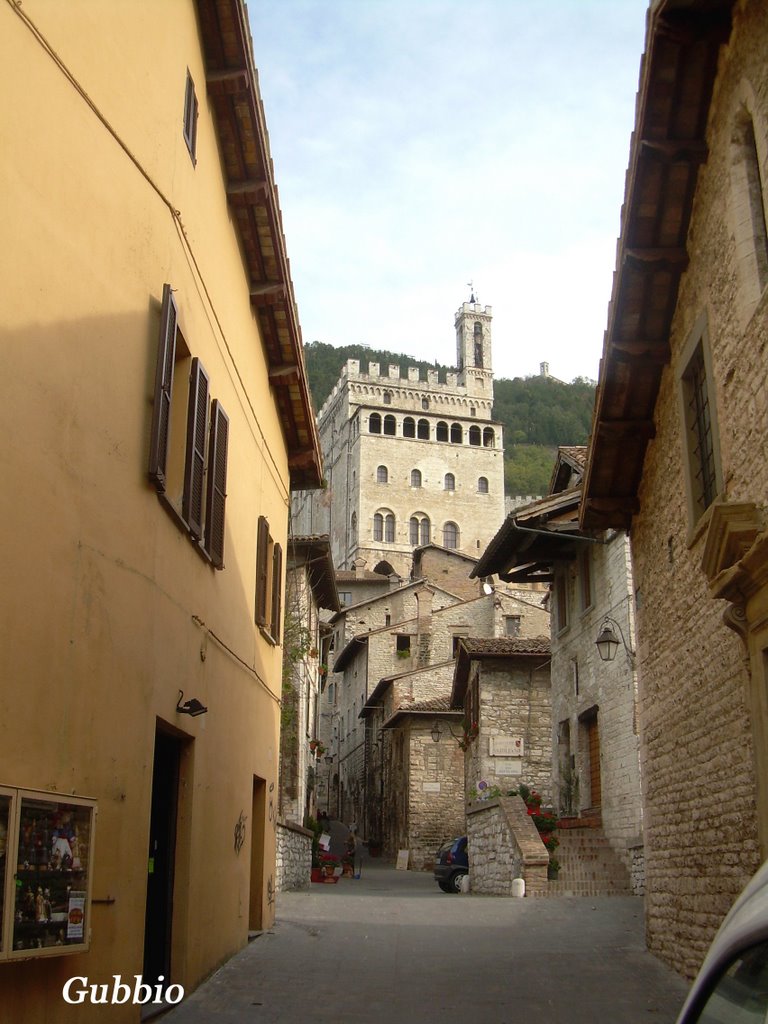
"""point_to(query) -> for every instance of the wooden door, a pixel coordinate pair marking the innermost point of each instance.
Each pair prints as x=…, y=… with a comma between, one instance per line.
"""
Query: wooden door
x=593, y=744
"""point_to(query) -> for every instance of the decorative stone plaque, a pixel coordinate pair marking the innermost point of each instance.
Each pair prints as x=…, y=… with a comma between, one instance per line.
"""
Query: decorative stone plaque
x=507, y=746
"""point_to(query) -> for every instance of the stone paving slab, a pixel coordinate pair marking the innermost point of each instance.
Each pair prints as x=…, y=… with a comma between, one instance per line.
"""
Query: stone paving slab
x=392, y=947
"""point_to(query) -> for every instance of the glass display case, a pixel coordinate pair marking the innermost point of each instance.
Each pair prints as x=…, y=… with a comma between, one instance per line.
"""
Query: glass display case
x=46, y=859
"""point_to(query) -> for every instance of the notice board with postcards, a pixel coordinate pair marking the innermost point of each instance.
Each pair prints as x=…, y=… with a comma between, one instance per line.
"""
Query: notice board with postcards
x=46, y=861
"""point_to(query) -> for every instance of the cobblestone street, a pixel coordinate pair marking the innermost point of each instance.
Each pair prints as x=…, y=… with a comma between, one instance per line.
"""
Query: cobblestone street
x=392, y=947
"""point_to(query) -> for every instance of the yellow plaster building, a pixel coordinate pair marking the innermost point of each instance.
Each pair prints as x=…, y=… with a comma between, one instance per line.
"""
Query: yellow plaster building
x=155, y=417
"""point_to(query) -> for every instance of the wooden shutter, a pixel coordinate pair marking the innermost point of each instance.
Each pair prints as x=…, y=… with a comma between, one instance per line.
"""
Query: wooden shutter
x=277, y=591
x=262, y=571
x=194, y=464
x=161, y=414
x=217, y=484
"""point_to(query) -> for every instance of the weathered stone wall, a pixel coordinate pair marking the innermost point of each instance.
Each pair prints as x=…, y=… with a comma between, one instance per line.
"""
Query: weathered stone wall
x=697, y=754
x=515, y=701
x=503, y=845
x=294, y=857
x=435, y=797
x=582, y=681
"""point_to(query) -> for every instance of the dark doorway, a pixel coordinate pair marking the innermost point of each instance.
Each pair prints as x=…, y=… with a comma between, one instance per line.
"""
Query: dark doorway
x=162, y=856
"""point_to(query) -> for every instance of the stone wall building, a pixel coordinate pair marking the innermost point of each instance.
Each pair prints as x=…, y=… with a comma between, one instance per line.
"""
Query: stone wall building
x=595, y=745
x=410, y=461
x=415, y=626
x=310, y=588
x=677, y=453
x=503, y=687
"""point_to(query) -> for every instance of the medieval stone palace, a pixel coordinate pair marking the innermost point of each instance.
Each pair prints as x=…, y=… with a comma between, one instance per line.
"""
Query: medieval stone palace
x=410, y=461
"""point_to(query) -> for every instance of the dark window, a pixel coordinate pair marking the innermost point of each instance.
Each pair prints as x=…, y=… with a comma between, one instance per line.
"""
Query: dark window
x=216, y=497
x=489, y=438
x=474, y=435
x=269, y=582
x=378, y=526
x=190, y=118
x=698, y=418
x=423, y=430
x=450, y=535
x=561, y=601
x=382, y=475
x=415, y=478
x=403, y=644
x=277, y=587
x=450, y=482
x=585, y=578
x=262, y=570
x=390, y=425
x=374, y=423
x=183, y=452
x=389, y=529
x=425, y=403
x=512, y=625
x=161, y=419
x=387, y=398
x=441, y=431
x=482, y=485
x=194, y=466
x=409, y=427
x=457, y=434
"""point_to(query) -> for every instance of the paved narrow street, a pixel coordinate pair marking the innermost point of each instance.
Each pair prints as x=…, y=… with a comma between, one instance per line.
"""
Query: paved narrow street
x=392, y=947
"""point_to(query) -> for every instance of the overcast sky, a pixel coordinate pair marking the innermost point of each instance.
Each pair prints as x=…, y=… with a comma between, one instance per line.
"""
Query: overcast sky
x=420, y=145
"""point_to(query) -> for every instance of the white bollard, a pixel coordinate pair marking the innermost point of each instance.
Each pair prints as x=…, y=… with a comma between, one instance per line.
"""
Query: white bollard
x=464, y=884
x=518, y=887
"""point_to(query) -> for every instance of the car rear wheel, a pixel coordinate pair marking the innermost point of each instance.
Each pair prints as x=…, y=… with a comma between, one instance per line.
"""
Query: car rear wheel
x=453, y=884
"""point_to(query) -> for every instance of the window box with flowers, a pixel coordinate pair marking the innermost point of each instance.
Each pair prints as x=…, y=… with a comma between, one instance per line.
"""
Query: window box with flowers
x=471, y=732
x=317, y=748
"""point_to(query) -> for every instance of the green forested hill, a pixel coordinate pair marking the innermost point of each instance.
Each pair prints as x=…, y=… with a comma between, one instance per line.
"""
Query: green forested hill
x=537, y=413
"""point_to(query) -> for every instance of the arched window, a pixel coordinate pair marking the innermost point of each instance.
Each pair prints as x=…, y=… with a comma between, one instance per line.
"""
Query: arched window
x=457, y=434
x=419, y=529
x=450, y=535
x=384, y=526
x=489, y=438
x=389, y=528
x=422, y=430
x=374, y=423
x=482, y=485
x=474, y=435
x=383, y=569
x=382, y=475
x=450, y=482
x=389, y=425
x=415, y=478
x=409, y=427
x=441, y=431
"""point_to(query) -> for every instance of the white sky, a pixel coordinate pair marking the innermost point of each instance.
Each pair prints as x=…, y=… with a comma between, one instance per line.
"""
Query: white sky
x=423, y=144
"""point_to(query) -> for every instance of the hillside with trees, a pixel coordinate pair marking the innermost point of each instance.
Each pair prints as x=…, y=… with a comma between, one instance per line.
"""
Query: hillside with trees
x=537, y=413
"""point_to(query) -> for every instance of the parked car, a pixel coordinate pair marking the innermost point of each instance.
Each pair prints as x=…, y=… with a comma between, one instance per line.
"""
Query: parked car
x=732, y=985
x=451, y=864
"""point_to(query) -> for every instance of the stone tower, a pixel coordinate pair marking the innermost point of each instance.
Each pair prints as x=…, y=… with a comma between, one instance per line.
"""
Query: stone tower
x=410, y=460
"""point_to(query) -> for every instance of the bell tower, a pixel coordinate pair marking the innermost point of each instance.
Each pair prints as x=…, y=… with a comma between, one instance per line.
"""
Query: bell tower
x=473, y=348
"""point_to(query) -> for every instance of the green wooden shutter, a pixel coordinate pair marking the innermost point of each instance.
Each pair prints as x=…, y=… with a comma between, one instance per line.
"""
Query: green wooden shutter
x=277, y=591
x=262, y=571
x=161, y=414
x=194, y=464
x=217, y=484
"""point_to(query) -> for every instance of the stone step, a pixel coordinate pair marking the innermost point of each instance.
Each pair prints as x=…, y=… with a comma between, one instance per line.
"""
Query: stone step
x=589, y=866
